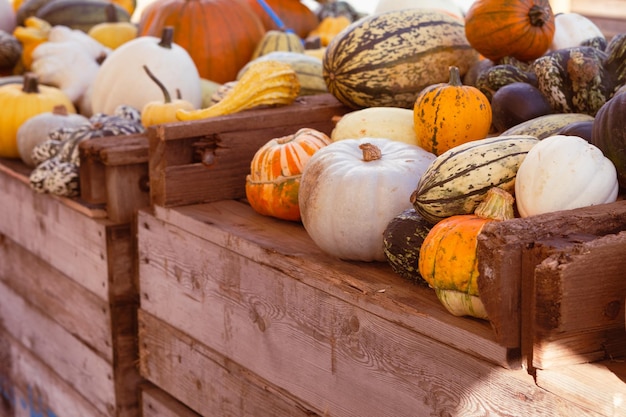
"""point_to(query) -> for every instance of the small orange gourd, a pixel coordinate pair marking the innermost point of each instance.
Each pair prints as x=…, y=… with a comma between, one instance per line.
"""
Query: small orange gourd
x=522, y=29
x=449, y=114
x=274, y=180
x=447, y=260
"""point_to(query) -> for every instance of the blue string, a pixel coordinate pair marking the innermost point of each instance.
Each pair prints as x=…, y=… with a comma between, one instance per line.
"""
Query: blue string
x=274, y=16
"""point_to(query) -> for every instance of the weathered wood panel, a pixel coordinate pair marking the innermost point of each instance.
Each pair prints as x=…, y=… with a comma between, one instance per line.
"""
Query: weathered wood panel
x=204, y=380
x=157, y=403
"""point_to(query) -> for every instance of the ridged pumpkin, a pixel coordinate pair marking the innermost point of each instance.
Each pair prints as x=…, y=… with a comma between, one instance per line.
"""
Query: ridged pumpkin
x=293, y=13
x=450, y=114
x=20, y=102
x=523, y=29
x=220, y=35
x=274, y=180
x=447, y=260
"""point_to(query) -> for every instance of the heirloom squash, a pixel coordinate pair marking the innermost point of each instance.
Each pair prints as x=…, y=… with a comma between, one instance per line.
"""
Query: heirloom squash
x=449, y=114
x=219, y=35
x=10, y=52
x=458, y=180
x=121, y=79
x=79, y=14
x=574, y=80
x=387, y=59
x=395, y=123
x=20, y=102
x=516, y=103
x=113, y=32
x=609, y=133
x=330, y=27
x=278, y=40
x=547, y=125
x=448, y=259
x=351, y=189
x=563, y=173
x=523, y=29
x=275, y=171
x=34, y=32
x=402, y=240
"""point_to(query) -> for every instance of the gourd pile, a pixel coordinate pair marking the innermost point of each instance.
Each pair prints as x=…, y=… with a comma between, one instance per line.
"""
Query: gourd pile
x=459, y=118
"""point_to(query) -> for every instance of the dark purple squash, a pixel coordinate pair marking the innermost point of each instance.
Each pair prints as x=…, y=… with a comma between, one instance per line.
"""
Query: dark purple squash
x=609, y=133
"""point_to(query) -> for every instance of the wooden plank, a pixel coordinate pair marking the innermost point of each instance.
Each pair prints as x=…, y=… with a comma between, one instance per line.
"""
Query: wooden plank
x=339, y=356
x=500, y=248
x=65, y=238
x=84, y=370
x=207, y=160
x=599, y=386
x=30, y=388
x=579, y=311
x=287, y=248
x=67, y=302
x=157, y=403
x=607, y=8
x=114, y=172
x=185, y=369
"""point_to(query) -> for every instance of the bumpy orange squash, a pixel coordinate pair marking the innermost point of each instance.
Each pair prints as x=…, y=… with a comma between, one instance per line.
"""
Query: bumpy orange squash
x=447, y=260
x=450, y=114
x=522, y=29
x=274, y=180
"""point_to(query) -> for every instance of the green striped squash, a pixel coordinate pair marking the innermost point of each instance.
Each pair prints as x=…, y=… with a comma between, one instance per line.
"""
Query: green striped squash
x=278, y=40
x=547, y=125
x=458, y=179
x=386, y=59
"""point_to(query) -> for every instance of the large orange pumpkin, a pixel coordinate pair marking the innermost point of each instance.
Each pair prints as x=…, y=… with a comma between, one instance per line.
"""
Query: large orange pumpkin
x=220, y=35
x=293, y=13
x=522, y=29
x=274, y=181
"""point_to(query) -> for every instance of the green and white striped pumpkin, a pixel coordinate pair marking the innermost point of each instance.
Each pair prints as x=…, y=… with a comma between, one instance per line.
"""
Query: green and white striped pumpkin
x=386, y=59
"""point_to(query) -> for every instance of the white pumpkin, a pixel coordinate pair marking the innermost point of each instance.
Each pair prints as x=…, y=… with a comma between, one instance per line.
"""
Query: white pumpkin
x=7, y=16
x=346, y=200
x=572, y=29
x=121, y=79
x=563, y=173
x=393, y=123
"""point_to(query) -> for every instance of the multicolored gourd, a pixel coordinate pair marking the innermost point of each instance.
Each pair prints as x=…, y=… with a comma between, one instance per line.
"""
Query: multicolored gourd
x=275, y=171
x=265, y=83
x=362, y=62
x=449, y=114
x=458, y=180
x=447, y=260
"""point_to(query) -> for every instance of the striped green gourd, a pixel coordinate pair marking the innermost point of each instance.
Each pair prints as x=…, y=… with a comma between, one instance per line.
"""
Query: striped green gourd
x=458, y=179
x=386, y=59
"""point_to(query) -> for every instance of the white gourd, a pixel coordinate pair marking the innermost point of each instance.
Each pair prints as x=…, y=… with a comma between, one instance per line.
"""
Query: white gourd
x=563, y=173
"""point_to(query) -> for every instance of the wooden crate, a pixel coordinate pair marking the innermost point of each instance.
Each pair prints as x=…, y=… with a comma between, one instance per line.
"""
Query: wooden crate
x=68, y=303
x=207, y=160
x=220, y=283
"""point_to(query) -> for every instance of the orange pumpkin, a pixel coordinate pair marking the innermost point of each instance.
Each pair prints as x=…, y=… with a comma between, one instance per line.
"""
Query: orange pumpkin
x=274, y=180
x=220, y=35
x=294, y=14
x=448, y=261
x=522, y=29
x=446, y=115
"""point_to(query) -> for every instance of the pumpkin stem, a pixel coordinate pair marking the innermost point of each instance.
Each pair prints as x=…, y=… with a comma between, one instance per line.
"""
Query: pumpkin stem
x=166, y=94
x=60, y=110
x=539, y=15
x=497, y=205
x=167, y=35
x=455, y=77
x=370, y=152
x=111, y=13
x=31, y=83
